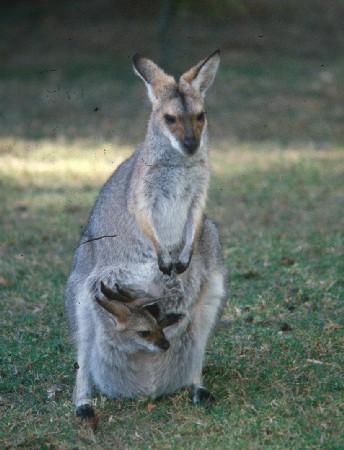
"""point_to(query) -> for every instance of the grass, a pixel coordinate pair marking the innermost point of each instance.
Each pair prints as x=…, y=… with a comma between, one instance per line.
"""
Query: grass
x=275, y=362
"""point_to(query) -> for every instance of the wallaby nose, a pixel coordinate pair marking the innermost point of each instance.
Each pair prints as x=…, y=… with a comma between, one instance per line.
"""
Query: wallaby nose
x=164, y=344
x=190, y=144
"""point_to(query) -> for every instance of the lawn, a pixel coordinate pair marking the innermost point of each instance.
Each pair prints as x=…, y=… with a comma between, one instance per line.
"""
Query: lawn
x=69, y=116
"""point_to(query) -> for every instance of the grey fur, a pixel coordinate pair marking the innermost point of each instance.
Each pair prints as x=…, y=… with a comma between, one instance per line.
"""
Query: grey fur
x=161, y=182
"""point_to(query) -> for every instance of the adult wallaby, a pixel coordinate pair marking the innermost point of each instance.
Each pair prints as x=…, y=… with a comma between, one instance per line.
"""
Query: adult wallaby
x=148, y=228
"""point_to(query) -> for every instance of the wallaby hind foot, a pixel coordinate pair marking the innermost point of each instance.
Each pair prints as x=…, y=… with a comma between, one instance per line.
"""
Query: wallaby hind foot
x=85, y=412
x=201, y=395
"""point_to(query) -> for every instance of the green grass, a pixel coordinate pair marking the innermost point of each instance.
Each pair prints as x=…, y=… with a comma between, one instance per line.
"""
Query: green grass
x=275, y=362
x=282, y=226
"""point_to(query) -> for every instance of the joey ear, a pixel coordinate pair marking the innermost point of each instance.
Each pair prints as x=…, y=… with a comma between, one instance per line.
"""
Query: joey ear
x=117, y=309
x=135, y=297
x=155, y=79
x=170, y=319
x=154, y=310
x=108, y=292
x=201, y=76
x=143, y=302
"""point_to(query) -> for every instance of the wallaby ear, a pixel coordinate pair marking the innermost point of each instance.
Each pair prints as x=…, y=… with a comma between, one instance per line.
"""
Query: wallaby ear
x=202, y=75
x=113, y=303
x=170, y=319
x=154, y=78
x=108, y=292
x=153, y=310
x=117, y=309
x=142, y=302
x=137, y=298
x=131, y=296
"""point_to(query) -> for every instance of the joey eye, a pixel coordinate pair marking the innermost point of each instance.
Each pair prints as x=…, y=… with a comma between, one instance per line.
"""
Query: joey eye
x=200, y=117
x=143, y=334
x=170, y=119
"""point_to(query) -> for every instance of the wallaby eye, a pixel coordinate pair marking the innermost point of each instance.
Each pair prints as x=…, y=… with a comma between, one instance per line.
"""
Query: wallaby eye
x=170, y=119
x=200, y=117
x=143, y=334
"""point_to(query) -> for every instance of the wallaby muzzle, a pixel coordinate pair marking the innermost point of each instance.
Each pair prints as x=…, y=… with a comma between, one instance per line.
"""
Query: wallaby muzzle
x=190, y=145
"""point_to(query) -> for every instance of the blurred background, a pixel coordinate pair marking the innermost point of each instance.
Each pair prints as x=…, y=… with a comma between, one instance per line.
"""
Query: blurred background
x=66, y=66
x=72, y=109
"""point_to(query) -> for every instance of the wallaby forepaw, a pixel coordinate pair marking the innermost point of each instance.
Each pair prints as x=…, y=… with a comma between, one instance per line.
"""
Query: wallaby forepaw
x=165, y=264
x=184, y=260
x=202, y=395
x=181, y=266
x=85, y=412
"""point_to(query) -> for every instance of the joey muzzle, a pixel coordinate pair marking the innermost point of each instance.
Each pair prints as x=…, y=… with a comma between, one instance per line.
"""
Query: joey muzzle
x=163, y=344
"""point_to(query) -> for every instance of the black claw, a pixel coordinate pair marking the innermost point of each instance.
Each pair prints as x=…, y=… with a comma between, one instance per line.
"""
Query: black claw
x=202, y=395
x=181, y=267
x=165, y=268
x=85, y=412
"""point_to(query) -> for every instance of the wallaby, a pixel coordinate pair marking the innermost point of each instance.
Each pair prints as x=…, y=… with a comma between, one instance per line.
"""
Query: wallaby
x=148, y=228
x=135, y=322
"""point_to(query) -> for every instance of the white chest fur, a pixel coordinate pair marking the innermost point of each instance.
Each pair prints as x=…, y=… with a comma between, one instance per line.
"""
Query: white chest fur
x=176, y=189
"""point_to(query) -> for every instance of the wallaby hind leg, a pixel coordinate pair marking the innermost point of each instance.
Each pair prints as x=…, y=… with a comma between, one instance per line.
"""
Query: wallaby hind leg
x=82, y=394
x=83, y=391
x=205, y=314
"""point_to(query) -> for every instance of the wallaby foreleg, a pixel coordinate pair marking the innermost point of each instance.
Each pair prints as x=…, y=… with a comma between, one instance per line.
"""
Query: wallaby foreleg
x=145, y=221
x=166, y=261
x=190, y=236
